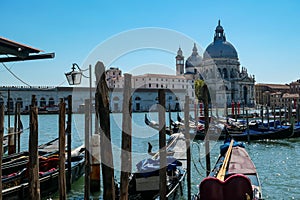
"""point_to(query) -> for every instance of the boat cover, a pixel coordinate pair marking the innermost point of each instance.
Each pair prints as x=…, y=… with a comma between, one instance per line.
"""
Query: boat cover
x=240, y=162
x=225, y=146
x=236, y=187
x=149, y=167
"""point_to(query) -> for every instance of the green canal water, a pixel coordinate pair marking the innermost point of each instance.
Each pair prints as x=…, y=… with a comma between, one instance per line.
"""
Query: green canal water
x=277, y=161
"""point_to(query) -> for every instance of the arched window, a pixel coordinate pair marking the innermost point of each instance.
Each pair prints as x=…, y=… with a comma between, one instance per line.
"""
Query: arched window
x=137, y=98
x=43, y=102
x=51, y=101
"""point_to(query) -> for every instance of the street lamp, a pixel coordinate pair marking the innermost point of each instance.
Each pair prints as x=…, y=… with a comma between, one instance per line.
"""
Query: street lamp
x=74, y=78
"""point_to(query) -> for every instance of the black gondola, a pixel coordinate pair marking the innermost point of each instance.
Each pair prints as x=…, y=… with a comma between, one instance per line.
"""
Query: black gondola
x=233, y=177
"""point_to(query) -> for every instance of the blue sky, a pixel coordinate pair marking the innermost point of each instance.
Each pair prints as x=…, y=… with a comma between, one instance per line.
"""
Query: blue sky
x=265, y=34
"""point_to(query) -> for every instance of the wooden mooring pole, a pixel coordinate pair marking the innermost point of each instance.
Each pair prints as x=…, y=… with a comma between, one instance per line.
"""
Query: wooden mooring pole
x=207, y=136
x=62, y=153
x=69, y=140
x=19, y=126
x=95, y=153
x=34, y=182
x=187, y=142
x=126, y=138
x=162, y=144
x=102, y=109
x=87, y=151
x=1, y=142
x=247, y=121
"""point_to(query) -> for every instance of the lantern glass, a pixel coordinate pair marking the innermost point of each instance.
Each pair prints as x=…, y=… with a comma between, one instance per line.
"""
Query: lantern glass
x=74, y=77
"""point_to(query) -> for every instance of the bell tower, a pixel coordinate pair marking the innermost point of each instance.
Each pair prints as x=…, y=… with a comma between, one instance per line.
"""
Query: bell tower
x=179, y=62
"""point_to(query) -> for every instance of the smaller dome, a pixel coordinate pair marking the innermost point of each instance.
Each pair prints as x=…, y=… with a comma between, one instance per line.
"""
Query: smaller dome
x=194, y=60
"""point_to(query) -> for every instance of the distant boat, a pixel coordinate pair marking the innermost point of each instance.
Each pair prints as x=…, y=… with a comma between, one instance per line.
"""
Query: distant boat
x=233, y=177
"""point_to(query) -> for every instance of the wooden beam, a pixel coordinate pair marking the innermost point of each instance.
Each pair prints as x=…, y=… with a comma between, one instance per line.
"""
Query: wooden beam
x=30, y=57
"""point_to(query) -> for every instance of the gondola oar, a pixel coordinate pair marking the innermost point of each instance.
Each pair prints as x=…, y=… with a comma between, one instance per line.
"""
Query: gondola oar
x=221, y=174
x=168, y=146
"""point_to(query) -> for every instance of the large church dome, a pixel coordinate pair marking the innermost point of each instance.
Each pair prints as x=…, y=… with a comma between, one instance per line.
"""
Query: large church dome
x=220, y=48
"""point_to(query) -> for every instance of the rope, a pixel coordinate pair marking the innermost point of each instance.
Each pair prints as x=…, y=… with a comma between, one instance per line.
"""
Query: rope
x=201, y=164
x=199, y=161
x=14, y=75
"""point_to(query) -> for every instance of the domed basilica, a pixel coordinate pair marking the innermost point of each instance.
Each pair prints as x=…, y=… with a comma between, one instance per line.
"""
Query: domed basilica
x=220, y=69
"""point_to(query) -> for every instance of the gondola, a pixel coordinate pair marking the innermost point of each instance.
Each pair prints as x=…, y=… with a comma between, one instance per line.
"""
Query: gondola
x=233, y=177
x=16, y=186
x=155, y=126
x=144, y=183
x=280, y=132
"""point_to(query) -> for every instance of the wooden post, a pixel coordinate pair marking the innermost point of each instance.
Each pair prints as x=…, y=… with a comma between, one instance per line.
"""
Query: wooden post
x=15, y=127
x=235, y=111
x=247, y=121
x=262, y=114
x=274, y=113
x=170, y=119
x=187, y=143
x=102, y=110
x=62, y=144
x=87, y=151
x=19, y=126
x=285, y=113
x=206, y=140
x=268, y=117
x=290, y=113
x=196, y=114
x=69, y=140
x=1, y=142
x=34, y=182
x=11, y=145
x=298, y=114
x=162, y=144
x=8, y=108
x=95, y=156
x=280, y=115
x=126, y=138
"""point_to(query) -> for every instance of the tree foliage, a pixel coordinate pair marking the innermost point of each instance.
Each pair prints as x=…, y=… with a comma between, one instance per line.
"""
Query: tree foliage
x=201, y=90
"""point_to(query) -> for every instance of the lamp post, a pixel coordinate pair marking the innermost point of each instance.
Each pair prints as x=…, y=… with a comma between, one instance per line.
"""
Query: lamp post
x=74, y=78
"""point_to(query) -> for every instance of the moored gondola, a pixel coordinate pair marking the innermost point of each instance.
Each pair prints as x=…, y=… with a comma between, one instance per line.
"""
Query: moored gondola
x=233, y=177
x=144, y=183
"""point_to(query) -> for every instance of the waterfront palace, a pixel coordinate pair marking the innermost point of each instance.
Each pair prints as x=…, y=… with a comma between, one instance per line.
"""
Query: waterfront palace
x=219, y=67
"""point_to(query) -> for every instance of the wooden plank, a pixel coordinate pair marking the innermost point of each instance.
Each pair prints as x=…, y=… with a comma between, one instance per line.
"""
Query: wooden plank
x=34, y=182
x=126, y=138
x=30, y=57
x=162, y=144
x=62, y=149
